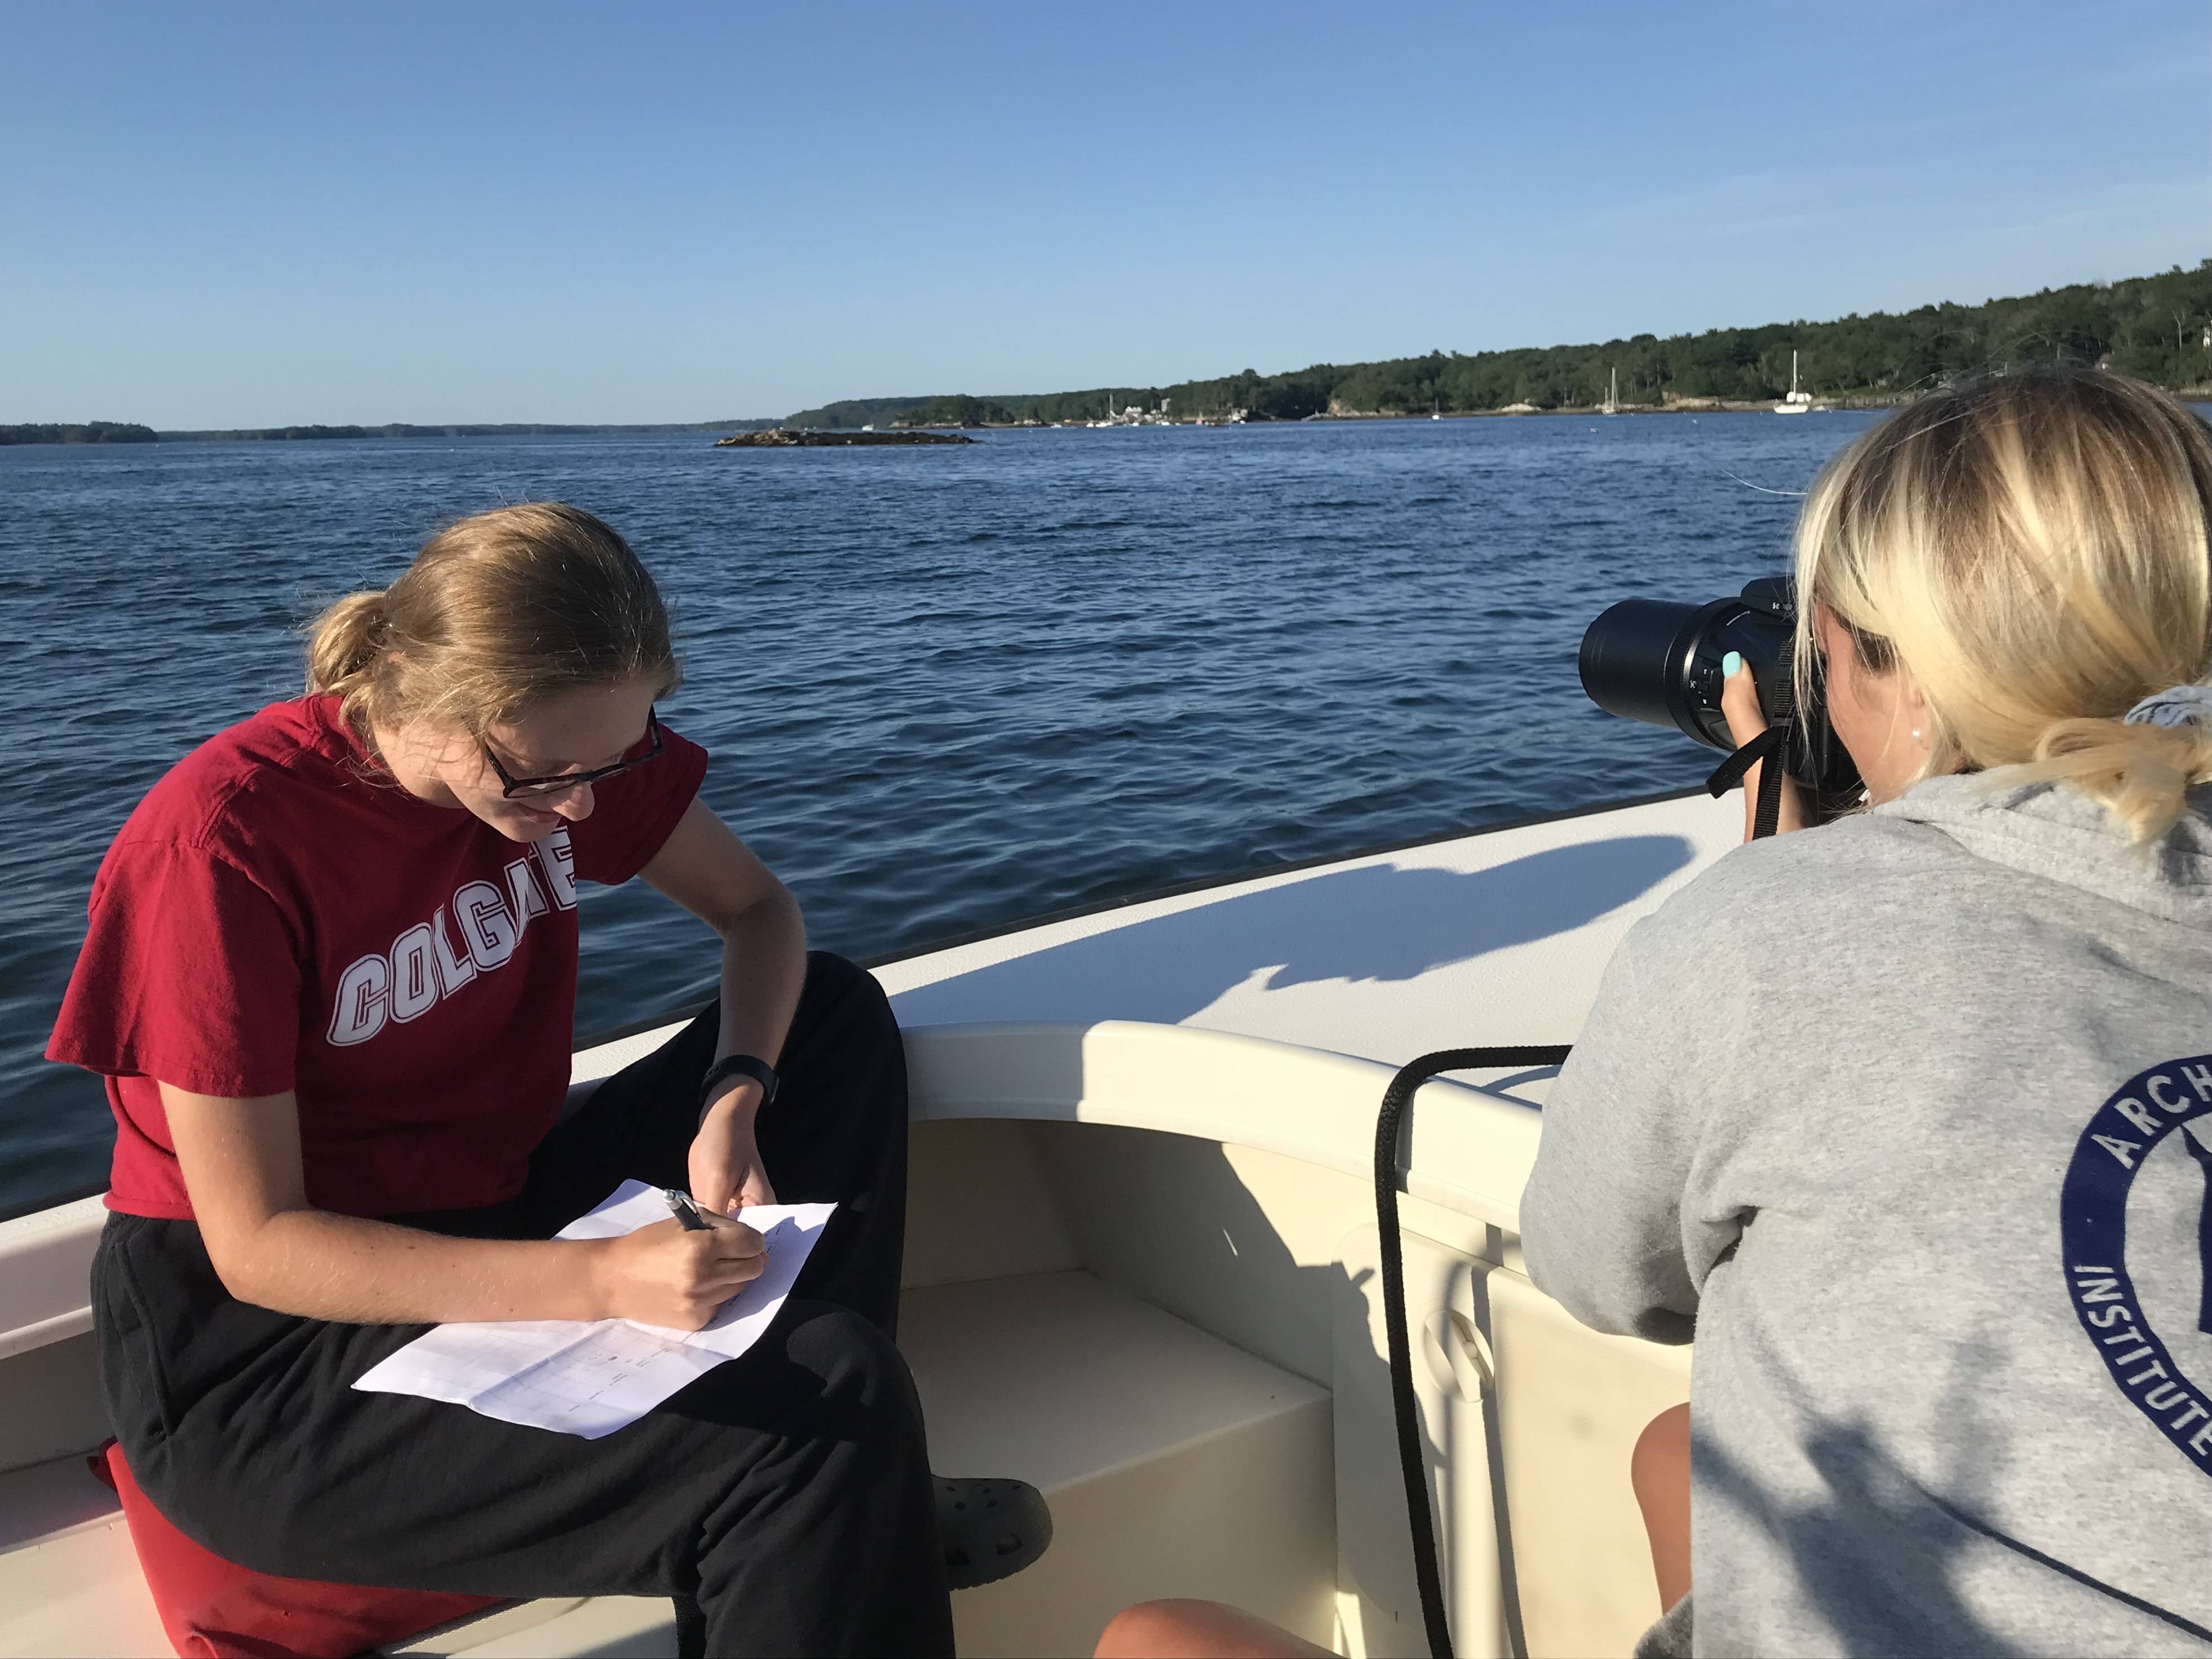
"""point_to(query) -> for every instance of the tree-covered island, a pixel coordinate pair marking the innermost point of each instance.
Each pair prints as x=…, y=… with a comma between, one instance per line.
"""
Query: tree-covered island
x=90, y=432
x=2158, y=328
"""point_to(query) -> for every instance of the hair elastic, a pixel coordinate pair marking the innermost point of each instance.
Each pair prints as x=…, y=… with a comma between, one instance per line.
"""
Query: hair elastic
x=2177, y=705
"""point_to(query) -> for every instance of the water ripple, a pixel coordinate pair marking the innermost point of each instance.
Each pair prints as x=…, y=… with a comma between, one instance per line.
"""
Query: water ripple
x=946, y=690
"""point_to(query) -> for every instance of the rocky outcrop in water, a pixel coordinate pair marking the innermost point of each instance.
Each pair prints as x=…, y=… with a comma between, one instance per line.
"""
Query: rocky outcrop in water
x=784, y=437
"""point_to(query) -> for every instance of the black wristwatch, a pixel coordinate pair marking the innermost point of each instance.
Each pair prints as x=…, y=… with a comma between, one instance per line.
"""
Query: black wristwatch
x=732, y=1065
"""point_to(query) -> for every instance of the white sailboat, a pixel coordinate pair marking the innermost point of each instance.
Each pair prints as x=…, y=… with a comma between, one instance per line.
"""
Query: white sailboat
x=1612, y=404
x=1141, y=1270
x=1794, y=402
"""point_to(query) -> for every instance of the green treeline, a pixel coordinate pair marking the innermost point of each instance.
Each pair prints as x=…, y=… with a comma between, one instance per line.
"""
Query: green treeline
x=2158, y=328
x=851, y=414
x=960, y=410
x=124, y=432
x=92, y=432
x=402, y=429
x=2152, y=327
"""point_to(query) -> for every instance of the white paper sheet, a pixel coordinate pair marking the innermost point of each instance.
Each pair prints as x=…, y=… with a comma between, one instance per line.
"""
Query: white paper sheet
x=590, y=1379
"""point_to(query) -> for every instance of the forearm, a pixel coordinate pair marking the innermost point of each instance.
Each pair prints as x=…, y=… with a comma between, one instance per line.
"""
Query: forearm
x=764, y=970
x=710, y=871
x=321, y=1266
x=1601, y=1213
x=1612, y=1266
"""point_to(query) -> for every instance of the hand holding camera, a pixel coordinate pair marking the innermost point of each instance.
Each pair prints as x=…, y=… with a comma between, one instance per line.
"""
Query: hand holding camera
x=1746, y=721
x=1669, y=664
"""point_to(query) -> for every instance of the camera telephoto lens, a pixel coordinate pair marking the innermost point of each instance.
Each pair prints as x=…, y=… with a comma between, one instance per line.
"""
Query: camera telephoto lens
x=1659, y=661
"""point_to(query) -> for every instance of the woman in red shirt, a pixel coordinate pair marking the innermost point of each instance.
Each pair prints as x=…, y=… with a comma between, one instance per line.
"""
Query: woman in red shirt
x=330, y=979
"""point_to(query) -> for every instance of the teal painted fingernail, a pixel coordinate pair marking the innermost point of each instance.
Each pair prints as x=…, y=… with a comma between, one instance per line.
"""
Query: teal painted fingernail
x=1731, y=664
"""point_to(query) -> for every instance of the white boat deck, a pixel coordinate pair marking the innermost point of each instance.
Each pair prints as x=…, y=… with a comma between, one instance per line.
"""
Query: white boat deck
x=1494, y=937
x=1041, y=1318
x=1489, y=937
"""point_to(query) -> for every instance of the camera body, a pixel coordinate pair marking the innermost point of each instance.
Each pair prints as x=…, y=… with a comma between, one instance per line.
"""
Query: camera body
x=1659, y=661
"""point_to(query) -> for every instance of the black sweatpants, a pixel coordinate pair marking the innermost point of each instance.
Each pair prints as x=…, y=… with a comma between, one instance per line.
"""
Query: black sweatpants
x=788, y=1491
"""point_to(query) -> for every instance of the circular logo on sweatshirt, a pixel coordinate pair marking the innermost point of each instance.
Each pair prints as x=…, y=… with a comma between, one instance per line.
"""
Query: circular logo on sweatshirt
x=2136, y=1216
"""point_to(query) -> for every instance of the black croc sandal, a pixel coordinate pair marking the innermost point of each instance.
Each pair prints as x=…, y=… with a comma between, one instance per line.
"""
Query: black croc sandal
x=991, y=1529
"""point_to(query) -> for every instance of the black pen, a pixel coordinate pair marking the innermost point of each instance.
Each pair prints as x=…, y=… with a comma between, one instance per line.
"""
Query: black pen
x=681, y=1207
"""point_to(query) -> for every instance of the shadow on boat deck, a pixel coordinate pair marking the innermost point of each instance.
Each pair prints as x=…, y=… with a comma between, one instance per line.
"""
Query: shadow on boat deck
x=1376, y=923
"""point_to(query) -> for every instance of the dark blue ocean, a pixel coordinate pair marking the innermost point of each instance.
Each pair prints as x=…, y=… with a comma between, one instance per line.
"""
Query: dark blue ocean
x=946, y=688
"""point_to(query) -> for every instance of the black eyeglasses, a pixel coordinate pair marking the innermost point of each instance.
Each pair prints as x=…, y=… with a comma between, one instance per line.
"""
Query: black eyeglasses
x=513, y=787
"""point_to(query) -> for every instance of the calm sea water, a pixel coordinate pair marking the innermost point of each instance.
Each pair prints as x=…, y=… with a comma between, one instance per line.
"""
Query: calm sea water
x=944, y=689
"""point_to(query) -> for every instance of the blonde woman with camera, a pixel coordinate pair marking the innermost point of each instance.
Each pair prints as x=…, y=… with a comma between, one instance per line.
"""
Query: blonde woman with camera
x=1909, y=1118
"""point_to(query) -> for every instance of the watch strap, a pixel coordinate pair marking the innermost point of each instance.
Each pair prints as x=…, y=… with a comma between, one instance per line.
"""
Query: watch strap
x=732, y=1065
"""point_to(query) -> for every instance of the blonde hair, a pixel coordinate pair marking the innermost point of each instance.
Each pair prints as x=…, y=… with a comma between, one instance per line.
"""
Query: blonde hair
x=497, y=613
x=2036, y=549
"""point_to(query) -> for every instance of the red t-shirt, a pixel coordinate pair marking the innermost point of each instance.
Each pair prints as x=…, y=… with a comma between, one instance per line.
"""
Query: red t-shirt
x=278, y=913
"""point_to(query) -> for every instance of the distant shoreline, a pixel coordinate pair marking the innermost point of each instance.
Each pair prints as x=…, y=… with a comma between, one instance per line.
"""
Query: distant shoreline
x=1688, y=406
x=127, y=432
x=460, y=429
x=89, y=433
x=754, y=431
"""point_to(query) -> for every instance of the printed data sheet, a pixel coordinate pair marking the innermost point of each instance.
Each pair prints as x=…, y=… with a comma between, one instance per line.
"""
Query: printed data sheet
x=590, y=1379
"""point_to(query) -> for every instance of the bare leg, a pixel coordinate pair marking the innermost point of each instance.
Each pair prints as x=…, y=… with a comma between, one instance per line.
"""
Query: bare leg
x=1199, y=1630
x=1659, y=1469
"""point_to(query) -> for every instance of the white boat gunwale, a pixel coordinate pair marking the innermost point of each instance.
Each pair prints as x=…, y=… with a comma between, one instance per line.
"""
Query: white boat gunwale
x=1190, y=1183
x=39, y=1312
x=692, y=1010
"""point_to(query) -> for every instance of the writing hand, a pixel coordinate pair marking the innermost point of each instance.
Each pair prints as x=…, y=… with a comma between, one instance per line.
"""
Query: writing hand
x=725, y=1168
x=665, y=1274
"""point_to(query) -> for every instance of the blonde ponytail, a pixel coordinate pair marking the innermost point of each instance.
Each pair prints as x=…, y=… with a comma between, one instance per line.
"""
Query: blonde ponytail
x=343, y=640
x=2035, y=549
x=2142, y=772
x=497, y=613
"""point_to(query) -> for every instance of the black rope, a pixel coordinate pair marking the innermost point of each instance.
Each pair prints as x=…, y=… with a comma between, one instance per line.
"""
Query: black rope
x=1407, y=1409
x=1770, y=746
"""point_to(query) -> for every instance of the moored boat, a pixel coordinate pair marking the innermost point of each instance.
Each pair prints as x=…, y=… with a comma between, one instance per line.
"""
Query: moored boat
x=1794, y=402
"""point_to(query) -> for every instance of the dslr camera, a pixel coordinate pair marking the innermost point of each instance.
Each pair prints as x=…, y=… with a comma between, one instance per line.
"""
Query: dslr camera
x=1659, y=661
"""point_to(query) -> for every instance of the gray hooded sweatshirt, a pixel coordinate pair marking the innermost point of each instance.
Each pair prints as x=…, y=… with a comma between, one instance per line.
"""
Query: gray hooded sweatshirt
x=1909, y=1120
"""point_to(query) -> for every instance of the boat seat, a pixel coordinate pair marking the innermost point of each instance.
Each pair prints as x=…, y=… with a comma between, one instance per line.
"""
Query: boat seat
x=1176, y=1464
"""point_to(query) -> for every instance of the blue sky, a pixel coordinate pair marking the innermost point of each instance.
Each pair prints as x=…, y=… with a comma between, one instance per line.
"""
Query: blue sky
x=227, y=214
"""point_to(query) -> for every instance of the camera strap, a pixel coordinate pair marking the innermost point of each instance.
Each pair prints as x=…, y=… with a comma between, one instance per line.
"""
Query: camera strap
x=1772, y=744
